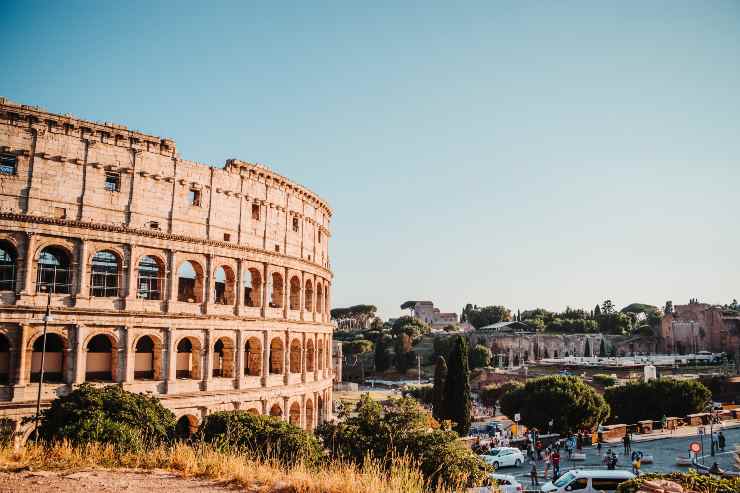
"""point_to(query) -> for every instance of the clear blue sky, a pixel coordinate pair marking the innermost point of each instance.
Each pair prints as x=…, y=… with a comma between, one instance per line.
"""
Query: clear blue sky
x=517, y=153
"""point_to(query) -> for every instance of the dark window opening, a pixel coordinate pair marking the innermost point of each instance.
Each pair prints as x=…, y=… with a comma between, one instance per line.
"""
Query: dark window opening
x=194, y=197
x=53, y=272
x=105, y=275
x=227, y=237
x=277, y=248
x=319, y=236
x=256, y=212
x=153, y=225
x=151, y=279
x=8, y=163
x=7, y=267
x=295, y=224
x=112, y=181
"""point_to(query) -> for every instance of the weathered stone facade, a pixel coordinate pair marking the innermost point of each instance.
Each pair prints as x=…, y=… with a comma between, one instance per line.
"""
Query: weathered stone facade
x=701, y=327
x=209, y=288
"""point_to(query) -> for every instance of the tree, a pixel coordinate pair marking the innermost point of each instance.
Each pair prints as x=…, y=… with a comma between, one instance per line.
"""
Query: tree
x=108, y=415
x=480, y=356
x=614, y=323
x=361, y=314
x=457, y=387
x=668, y=309
x=438, y=392
x=607, y=307
x=602, y=349
x=652, y=400
x=587, y=349
x=411, y=326
x=597, y=311
x=568, y=401
x=404, y=357
x=382, y=355
x=357, y=347
x=487, y=315
x=491, y=394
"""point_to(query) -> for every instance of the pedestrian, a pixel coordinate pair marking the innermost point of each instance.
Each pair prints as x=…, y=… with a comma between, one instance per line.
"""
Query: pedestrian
x=721, y=441
x=548, y=458
x=636, y=463
x=533, y=474
x=663, y=423
x=626, y=441
x=598, y=445
x=539, y=446
x=555, y=458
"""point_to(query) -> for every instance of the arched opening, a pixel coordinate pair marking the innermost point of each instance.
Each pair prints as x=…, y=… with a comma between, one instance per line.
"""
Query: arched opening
x=309, y=414
x=8, y=258
x=295, y=293
x=308, y=301
x=53, y=271
x=295, y=356
x=105, y=273
x=224, y=286
x=4, y=360
x=148, y=359
x=253, y=357
x=151, y=278
x=53, y=359
x=321, y=355
x=223, y=358
x=190, y=282
x=186, y=426
x=252, y=288
x=276, y=291
x=99, y=362
x=188, y=358
x=310, y=356
x=319, y=297
x=295, y=414
x=276, y=356
x=275, y=411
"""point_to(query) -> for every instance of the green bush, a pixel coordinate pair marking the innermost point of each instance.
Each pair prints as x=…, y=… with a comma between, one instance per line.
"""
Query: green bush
x=402, y=428
x=422, y=393
x=491, y=394
x=691, y=481
x=652, y=400
x=604, y=379
x=265, y=437
x=358, y=346
x=479, y=356
x=107, y=415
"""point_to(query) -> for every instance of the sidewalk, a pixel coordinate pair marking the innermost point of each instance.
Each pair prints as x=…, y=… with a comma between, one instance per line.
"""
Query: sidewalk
x=683, y=431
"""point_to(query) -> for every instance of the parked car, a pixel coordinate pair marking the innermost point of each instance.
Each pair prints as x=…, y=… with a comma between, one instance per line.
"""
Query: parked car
x=504, y=457
x=588, y=481
x=505, y=483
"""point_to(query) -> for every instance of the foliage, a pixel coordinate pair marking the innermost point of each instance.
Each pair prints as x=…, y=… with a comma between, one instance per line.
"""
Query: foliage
x=587, y=349
x=264, y=437
x=487, y=315
x=639, y=308
x=406, y=305
x=382, y=355
x=690, y=481
x=411, y=326
x=480, y=356
x=457, y=387
x=402, y=428
x=568, y=401
x=613, y=323
x=450, y=328
x=491, y=394
x=604, y=379
x=652, y=400
x=602, y=349
x=357, y=347
x=442, y=346
x=607, y=307
x=571, y=326
x=108, y=415
x=358, y=312
x=438, y=390
x=597, y=311
x=422, y=393
x=404, y=358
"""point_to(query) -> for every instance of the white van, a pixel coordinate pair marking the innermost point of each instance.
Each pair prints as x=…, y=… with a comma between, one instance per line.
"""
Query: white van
x=588, y=481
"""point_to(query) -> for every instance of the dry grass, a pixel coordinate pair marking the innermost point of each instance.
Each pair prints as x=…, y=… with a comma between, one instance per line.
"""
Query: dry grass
x=205, y=462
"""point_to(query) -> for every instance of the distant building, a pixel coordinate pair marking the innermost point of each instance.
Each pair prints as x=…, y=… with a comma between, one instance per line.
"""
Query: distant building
x=700, y=327
x=427, y=313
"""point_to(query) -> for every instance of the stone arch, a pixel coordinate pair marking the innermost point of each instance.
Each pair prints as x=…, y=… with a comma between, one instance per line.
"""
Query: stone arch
x=54, y=361
x=295, y=293
x=276, y=295
x=253, y=288
x=187, y=424
x=276, y=411
x=105, y=274
x=276, y=355
x=223, y=357
x=253, y=357
x=310, y=356
x=54, y=271
x=148, y=358
x=295, y=356
x=101, y=360
x=309, y=414
x=223, y=289
x=8, y=265
x=319, y=297
x=190, y=282
x=294, y=416
x=308, y=296
x=4, y=360
x=188, y=358
x=150, y=277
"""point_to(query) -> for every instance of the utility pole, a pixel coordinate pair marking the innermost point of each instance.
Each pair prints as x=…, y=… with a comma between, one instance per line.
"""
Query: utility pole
x=47, y=319
x=418, y=368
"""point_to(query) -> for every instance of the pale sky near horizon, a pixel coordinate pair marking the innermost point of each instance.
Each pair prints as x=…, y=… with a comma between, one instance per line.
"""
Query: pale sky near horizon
x=517, y=153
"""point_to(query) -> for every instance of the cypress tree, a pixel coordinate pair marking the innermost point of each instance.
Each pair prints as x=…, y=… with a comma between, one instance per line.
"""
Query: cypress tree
x=597, y=311
x=587, y=349
x=438, y=391
x=382, y=358
x=457, y=387
x=602, y=349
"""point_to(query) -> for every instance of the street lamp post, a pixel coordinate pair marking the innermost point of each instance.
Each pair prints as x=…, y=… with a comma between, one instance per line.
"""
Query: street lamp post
x=47, y=319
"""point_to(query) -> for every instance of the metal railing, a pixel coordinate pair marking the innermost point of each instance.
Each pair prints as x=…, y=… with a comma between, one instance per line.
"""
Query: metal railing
x=150, y=287
x=55, y=279
x=104, y=284
x=7, y=277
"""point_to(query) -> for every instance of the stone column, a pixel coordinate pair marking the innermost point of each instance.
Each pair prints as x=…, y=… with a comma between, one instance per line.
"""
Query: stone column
x=302, y=300
x=171, y=279
x=129, y=354
x=265, y=357
x=79, y=355
x=208, y=366
x=171, y=361
x=286, y=293
x=315, y=358
x=84, y=281
x=239, y=288
x=239, y=367
x=21, y=359
x=208, y=284
x=28, y=263
x=131, y=274
x=265, y=301
x=286, y=358
x=315, y=299
x=303, y=359
x=286, y=409
x=303, y=412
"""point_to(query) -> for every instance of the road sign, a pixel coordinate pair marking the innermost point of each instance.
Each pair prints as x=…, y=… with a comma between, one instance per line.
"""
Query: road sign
x=695, y=447
x=517, y=417
x=701, y=430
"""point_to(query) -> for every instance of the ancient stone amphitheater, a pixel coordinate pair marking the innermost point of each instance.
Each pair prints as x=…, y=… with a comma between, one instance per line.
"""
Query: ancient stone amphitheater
x=206, y=287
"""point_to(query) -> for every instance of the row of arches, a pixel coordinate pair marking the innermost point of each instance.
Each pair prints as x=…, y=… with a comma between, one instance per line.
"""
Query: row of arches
x=55, y=271
x=101, y=359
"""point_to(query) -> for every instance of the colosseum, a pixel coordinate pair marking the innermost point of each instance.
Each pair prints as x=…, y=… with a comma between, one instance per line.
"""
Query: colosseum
x=207, y=287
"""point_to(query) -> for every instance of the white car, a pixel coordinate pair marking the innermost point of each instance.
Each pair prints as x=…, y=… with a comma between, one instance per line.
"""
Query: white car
x=505, y=483
x=588, y=481
x=504, y=457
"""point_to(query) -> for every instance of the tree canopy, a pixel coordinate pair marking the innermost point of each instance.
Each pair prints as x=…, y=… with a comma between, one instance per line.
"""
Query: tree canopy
x=480, y=356
x=487, y=315
x=457, y=387
x=652, y=400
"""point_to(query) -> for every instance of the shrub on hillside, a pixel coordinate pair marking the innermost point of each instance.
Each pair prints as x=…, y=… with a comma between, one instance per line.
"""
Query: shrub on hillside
x=479, y=356
x=652, y=400
x=422, y=393
x=604, y=379
x=264, y=437
x=690, y=481
x=107, y=415
x=492, y=393
x=402, y=428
